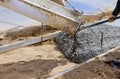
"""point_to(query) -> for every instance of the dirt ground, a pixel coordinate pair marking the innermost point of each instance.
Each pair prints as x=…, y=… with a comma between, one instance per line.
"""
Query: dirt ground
x=95, y=17
x=33, y=62
x=97, y=69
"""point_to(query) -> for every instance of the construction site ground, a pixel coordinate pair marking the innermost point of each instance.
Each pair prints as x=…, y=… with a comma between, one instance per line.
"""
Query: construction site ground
x=38, y=61
x=33, y=62
x=42, y=60
x=51, y=59
x=97, y=69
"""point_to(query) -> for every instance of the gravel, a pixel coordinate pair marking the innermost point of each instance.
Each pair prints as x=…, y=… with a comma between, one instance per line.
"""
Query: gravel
x=87, y=43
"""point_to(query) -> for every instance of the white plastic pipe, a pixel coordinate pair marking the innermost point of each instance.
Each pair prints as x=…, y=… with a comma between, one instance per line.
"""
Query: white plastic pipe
x=46, y=11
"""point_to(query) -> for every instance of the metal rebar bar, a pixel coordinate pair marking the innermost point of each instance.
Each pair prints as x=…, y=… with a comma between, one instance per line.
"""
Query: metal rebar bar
x=101, y=41
x=96, y=23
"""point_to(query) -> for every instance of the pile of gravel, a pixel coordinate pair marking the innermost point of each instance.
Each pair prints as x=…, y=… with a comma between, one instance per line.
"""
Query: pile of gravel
x=87, y=43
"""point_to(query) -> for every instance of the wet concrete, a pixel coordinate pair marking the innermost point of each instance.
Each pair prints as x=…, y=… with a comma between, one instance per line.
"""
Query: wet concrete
x=87, y=43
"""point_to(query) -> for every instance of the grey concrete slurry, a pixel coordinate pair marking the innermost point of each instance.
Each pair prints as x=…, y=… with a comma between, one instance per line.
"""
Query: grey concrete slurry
x=87, y=43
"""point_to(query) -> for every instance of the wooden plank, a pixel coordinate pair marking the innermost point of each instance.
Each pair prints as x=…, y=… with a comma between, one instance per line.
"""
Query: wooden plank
x=20, y=44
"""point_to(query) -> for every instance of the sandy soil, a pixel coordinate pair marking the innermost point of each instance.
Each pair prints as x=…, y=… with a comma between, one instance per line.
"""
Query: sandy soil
x=33, y=62
x=97, y=69
x=95, y=17
x=24, y=33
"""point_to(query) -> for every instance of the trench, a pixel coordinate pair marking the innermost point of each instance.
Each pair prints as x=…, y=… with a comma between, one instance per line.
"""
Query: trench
x=89, y=42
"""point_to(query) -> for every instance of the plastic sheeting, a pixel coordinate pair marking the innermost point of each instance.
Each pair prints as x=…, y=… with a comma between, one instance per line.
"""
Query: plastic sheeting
x=10, y=19
x=90, y=6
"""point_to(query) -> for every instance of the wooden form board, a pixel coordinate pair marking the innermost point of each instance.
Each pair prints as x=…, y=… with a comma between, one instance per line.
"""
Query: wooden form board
x=31, y=41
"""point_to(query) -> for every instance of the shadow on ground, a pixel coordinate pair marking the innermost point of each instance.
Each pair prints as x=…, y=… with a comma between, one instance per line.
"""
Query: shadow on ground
x=35, y=69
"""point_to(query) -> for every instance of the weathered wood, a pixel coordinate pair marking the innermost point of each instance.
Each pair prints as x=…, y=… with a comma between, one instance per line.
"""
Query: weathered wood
x=20, y=44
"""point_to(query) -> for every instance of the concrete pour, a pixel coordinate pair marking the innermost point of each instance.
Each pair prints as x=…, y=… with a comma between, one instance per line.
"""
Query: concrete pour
x=87, y=43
